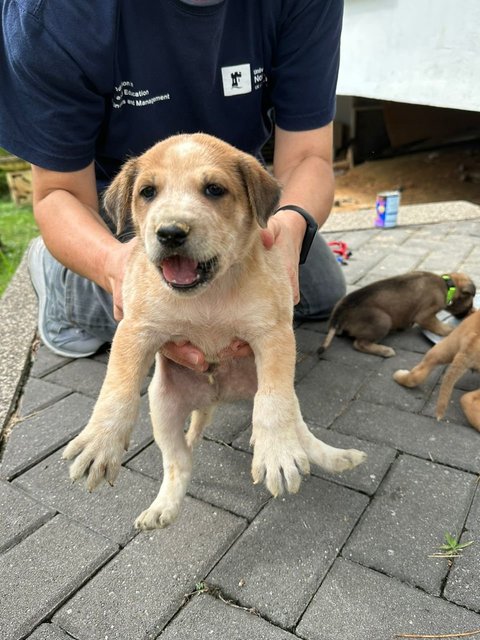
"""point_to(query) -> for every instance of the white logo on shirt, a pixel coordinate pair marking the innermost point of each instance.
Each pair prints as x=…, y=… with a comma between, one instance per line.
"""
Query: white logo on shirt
x=126, y=93
x=236, y=80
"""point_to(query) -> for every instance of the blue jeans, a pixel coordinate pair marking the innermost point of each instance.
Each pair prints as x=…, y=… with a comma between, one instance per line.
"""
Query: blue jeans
x=83, y=303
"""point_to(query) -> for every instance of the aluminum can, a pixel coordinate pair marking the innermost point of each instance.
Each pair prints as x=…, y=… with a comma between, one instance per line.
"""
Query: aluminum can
x=386, y=208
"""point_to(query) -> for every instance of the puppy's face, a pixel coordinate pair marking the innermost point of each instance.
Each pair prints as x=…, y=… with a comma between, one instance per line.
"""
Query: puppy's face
x=462, y=303
x=195, y=202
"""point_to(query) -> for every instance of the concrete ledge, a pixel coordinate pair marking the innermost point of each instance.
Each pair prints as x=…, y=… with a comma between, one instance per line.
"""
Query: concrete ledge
x=18, y=320
x=411, y=214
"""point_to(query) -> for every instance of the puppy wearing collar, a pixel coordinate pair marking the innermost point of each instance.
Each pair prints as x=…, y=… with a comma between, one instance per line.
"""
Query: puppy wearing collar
x=372, y=312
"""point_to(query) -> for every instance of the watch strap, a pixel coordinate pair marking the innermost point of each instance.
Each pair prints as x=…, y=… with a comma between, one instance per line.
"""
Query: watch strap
x=311, y=230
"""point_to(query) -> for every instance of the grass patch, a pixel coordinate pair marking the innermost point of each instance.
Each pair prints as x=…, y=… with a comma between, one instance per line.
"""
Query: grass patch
x=17, y=228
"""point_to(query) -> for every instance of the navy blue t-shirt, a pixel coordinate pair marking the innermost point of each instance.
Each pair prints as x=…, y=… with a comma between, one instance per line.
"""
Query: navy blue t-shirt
x=106, y=79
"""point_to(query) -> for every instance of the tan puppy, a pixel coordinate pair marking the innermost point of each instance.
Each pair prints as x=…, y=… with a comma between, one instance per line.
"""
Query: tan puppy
x=462, y=349
x=200, y=273
x=370, y=313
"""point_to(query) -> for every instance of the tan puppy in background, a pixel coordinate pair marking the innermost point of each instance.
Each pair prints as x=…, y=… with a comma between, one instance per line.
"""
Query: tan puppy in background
x=200, y=273
x=372, y=312
x=462, y=350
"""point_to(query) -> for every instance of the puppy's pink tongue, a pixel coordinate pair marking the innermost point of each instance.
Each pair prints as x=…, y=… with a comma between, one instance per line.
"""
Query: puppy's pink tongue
x=179, y=270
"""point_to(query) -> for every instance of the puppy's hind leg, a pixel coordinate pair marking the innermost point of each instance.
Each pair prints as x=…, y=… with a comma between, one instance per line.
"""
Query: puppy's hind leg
x=375, y=325
x=375, y=349
x=454, y=372
x=168, y=414
x=201, y=418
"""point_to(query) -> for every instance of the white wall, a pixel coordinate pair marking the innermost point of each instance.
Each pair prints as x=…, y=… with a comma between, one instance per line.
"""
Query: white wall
x=417, y=51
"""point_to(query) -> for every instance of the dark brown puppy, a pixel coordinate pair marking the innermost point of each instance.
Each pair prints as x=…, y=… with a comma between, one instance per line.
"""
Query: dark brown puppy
x=462, y=350
x=370, y=313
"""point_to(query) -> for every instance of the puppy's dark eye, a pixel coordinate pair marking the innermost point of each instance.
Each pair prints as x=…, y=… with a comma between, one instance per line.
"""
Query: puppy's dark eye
x=148, y=193
x=214, y=190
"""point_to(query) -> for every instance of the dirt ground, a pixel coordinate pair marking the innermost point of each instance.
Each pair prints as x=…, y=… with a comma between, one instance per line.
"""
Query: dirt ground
x=434, y=176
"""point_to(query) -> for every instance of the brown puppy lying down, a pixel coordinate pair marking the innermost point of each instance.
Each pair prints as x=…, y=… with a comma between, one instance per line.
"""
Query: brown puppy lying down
x=370, y=313
x=462, y=350
x=200, y=273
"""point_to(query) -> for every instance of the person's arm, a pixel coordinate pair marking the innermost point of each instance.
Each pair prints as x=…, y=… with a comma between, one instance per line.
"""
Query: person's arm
x=66, y=210
x=302, y=164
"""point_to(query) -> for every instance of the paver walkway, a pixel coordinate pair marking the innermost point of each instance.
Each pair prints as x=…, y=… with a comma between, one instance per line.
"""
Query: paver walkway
x=347, y=558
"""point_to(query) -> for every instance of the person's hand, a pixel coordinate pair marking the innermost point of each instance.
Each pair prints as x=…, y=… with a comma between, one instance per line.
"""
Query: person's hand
x=280, y=234
x=115, y=266
x=187, y=355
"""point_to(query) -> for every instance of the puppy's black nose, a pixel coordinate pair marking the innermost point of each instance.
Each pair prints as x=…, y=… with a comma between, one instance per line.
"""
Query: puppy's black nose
x=173, y=234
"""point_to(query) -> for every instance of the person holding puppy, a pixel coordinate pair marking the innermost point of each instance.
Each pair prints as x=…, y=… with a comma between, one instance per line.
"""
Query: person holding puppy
x=86, y=85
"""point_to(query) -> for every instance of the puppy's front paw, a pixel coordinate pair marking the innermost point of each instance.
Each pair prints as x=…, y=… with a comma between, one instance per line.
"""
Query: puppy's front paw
x=402, y=376
x=98, y=454
x=159, y=514
x=280, y=461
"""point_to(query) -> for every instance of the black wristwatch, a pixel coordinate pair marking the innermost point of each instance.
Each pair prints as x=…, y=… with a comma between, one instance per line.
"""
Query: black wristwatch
x=311, y=230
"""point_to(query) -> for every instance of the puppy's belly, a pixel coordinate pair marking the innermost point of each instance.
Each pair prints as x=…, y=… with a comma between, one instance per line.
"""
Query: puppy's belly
x=230, y=380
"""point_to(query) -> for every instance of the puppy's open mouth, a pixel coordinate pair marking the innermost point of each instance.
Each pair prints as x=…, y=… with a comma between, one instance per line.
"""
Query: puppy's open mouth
x=181, y=272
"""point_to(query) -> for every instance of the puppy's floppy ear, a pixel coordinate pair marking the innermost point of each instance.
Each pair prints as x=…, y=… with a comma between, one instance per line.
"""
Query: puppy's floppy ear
x=262, y=189
x=117, y=199
x=469, y=289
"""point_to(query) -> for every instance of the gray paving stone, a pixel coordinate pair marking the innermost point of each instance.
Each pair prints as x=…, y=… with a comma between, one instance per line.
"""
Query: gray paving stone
x=396, y=263
x=278, y=563
x=221, y=476
x=19, y=515
x=138, y=592
x=43, y=570
x=48, y=632
x=308, y=341
x=450, y=444
x=36, y=437
x=38, y=394
x=454, y=411
x=205, y=617
x=317, y=326
x=409, y=340
x=392, y=237
x=229, y=420
x=355, y=603
x=360, y=265
x=341, y=350
x=108, y=510
x=462, y=583
x=406, y=522
x=448, y=255
x=303, y=365
x=45, y=361
x=366, y=477
x=381, y=388
x=84, y=375
x=327, y=390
